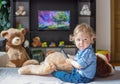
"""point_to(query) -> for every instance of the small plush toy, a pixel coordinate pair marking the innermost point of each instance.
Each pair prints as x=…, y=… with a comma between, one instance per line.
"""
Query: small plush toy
x=16, y=53
x=61, y=44
x=36, y=42
x=85, y=10
x=57, y=61
x=52, y=44
x=20, y=10
x=44, y=44
x=104, y=68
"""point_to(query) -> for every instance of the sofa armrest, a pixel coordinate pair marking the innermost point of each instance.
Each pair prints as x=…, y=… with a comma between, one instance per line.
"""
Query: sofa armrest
x=3, y=59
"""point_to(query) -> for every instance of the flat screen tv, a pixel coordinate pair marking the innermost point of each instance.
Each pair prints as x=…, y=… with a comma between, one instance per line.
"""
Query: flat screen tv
x=53, y=20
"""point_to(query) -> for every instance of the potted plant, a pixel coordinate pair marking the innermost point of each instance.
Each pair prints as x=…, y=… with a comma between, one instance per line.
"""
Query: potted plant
x=0, y=3
x=4, y=14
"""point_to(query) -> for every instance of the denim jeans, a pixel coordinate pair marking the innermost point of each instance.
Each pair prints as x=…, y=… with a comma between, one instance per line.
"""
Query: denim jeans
x=73, y=77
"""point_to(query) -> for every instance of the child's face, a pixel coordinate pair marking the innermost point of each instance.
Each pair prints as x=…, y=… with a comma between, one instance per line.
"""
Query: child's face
x=82, y=40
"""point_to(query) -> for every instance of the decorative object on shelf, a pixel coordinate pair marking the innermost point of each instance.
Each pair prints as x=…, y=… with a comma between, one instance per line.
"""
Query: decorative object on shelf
x=4, y=15
x=20, y=11
x=38, y=55
x=52, y=44
x=70, y=37
x=36, y=42
x=20, y=26
x=85, y=10
x=61, y=44
x=16, y=52
x=44, y=44
x=26, y=44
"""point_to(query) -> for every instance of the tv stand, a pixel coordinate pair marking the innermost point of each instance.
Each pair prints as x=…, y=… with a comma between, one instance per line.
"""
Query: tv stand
x=80, y=11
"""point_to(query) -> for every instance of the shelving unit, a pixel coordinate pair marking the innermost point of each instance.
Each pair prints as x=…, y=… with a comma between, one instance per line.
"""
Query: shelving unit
x=87, y=12
x=20, y=20
x=30, y=20
x=42, y=51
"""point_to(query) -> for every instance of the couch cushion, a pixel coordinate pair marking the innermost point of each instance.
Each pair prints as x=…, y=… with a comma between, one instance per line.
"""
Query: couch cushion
x=3, y=59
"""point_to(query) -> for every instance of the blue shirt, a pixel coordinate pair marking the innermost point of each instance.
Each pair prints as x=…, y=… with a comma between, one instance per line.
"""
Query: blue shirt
x=87, y=59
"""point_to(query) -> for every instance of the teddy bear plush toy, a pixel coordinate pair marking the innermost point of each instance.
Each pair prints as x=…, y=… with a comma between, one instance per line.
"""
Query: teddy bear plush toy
x=53, y=61
x=16, y=53
x=20, y=10
x=57, y=61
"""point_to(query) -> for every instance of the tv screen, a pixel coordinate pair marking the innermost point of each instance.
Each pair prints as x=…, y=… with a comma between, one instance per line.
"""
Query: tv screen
x=53, y=20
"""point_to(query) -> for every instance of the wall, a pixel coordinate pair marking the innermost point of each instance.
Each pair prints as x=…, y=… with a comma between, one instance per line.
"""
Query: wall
x=103, y=27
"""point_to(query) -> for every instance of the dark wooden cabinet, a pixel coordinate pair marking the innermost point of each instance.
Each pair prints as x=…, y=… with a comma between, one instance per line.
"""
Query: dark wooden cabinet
x=80, y=11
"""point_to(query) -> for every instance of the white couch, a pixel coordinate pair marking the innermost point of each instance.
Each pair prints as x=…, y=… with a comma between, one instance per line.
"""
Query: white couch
x=3, y=59
x=11, y=76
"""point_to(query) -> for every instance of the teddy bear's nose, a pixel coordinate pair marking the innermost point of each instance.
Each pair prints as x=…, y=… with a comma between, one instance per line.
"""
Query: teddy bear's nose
x=17, y=39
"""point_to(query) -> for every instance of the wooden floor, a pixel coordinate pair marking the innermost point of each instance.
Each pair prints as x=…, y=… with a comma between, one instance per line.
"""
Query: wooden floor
x=115, y=63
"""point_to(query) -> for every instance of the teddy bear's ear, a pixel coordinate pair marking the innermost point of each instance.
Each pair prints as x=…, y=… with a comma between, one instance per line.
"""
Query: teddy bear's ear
x=23, y=31
x=50, y=52
x=4, y=33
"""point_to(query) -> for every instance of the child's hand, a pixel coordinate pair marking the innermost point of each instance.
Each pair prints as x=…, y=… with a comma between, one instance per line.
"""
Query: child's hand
x=70, y=56
x=76, y=65
x=69, y=60
x=55, y=70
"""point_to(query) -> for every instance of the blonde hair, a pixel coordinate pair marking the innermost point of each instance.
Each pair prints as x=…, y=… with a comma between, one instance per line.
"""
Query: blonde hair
x=83, y=27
